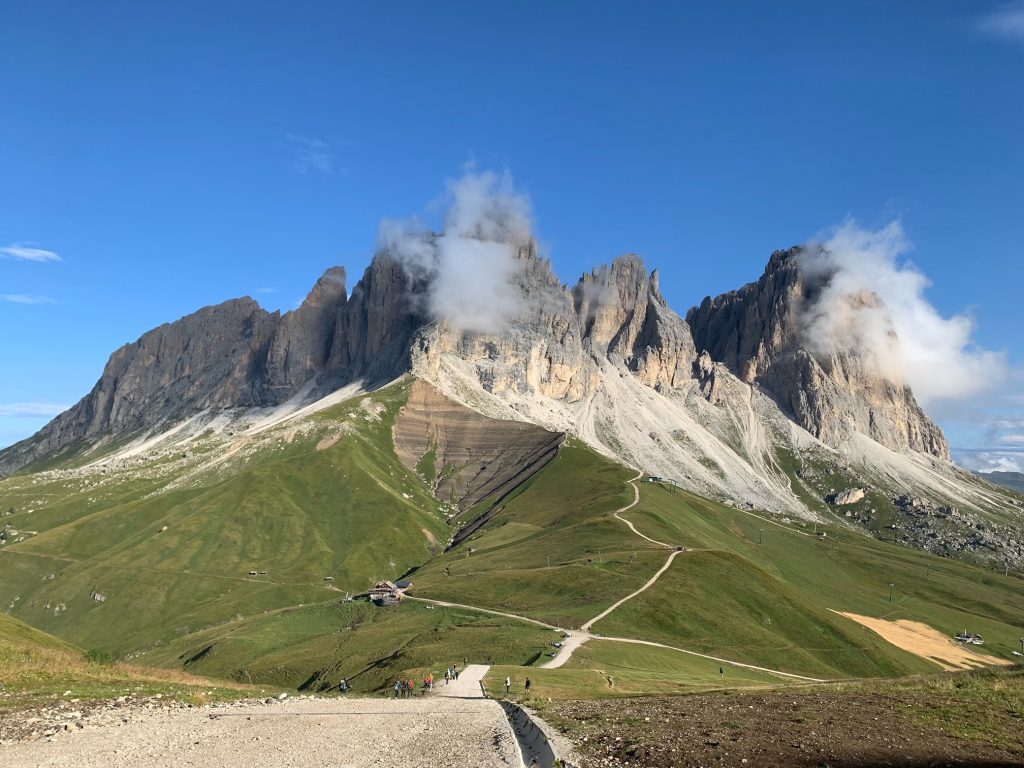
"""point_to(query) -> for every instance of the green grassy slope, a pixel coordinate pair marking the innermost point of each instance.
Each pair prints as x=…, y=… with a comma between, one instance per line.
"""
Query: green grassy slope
x=771, y=603
x=607, y=668
x=36, y=667
x=169, y=546
x=315, y=646
x=553, y=552
x=296, y=508
x=845, y=571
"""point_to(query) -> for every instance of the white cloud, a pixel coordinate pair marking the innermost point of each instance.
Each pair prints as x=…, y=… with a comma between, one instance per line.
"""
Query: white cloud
x=872, y=301
x=468, y=271
x=1012, y=440
x=25, y=253
x=266, y=290
x=33, y=410
x=989, y=461
x=313, y=155
x=24, y=298
x=1007, y=22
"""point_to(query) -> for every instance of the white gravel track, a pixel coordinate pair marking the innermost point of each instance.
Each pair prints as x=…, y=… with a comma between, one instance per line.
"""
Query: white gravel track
x=455, y=726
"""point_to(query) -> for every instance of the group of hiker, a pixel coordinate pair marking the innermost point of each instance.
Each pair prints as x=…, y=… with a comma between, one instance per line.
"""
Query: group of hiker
x=407, y=688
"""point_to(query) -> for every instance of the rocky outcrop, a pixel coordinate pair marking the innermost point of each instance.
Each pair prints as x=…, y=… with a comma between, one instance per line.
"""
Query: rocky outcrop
x=849, y=496
x=302, y=344
x=553, y=346
x=564, y=345
x=759, y=332
x=237, y=355
x=209, y=359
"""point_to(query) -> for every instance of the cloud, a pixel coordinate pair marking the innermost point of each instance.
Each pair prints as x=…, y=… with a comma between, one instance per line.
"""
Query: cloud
x=23, y=298
x=25, y=253
x=989, y=460
x=1005, y=23
x=313, y=155
x=33, y=410
x=872, y=302
x=266, y=290
x=1012, y=440
x=465, y=276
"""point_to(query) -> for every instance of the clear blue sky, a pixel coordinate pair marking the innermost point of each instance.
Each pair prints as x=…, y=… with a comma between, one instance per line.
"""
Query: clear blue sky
x=179, y=154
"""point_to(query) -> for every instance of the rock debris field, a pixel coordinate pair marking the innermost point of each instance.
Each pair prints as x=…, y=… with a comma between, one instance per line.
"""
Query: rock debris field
x=453, y=727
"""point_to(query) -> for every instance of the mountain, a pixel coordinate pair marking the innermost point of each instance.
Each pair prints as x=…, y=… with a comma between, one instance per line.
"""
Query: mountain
x=1011, y=480
x=733, y=401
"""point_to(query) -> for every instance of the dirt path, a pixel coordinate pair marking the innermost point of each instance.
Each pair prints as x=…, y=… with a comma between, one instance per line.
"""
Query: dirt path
x=454, y=728
x=517, y=617
x=627, y=598
x=927, y=642
x=578, y=637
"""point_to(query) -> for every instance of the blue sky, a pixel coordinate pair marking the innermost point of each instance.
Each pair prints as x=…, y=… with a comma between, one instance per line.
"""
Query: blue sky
x=177, y=155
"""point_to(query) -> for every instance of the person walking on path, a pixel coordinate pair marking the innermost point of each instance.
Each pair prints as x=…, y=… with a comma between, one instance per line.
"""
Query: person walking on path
x=398, y=688
x=447, y=676
x=721, y=671
x=508, y=684
x=456, y=673
x=527, y=686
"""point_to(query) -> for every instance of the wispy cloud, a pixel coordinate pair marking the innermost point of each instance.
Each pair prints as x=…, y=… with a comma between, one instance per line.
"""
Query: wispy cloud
x=1006, y=22
x=266, y=290
x=313, y=155
x=989, y=461
x=34, y=410
x=25, y=298
x=26, y=253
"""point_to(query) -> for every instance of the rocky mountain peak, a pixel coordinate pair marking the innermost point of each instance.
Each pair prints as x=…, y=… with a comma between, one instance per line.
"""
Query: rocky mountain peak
x=557, y=344
x=761, y=333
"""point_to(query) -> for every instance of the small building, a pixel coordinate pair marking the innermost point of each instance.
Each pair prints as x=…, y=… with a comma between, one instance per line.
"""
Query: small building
x=385, y=593
x=404, y=584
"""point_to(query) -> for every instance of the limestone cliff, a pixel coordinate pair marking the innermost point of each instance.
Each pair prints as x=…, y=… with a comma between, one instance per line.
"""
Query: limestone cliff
x=758, y=331
x=562, y=346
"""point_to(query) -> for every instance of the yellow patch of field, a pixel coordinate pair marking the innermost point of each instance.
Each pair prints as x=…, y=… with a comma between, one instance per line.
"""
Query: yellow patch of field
x=927, y=642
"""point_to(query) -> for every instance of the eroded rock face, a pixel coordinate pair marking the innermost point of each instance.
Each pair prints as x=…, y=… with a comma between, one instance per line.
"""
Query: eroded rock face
x=468, y=457
x=208, y=359
x=237, y=355
x=552, y=347
x=302, y=344
x=849, y=496
x=758, y=331
x=558, y=346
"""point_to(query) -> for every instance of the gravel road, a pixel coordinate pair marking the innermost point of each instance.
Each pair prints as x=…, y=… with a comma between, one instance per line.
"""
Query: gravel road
x=453, y=727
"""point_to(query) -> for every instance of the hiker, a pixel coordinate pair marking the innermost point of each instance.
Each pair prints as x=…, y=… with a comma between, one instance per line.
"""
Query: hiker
x=343, y=685
x=508, y=684
x=398, y=688
x=456, y=673
x=447, y=675
x=411, y=686
x=721, y=671
x=527, y=686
